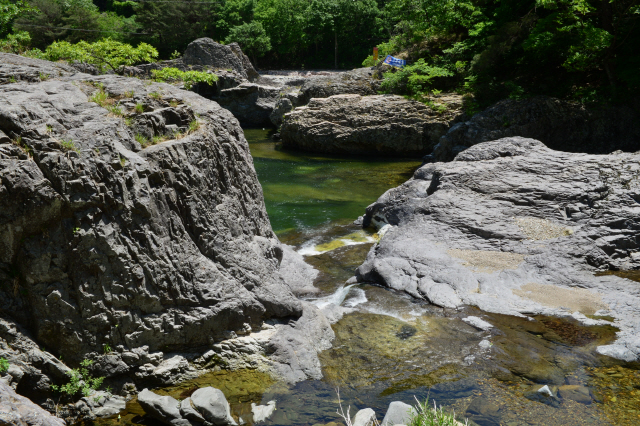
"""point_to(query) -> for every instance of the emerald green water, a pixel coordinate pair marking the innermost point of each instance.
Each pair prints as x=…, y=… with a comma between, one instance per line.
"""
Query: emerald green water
x=304, y=191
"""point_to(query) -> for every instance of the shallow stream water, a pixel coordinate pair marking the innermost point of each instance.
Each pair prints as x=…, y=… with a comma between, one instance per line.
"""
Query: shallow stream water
x=391, y=347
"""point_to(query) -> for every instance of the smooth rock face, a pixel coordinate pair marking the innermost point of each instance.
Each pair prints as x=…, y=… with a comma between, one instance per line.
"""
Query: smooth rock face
x=370, y=125
x=16, y=410
x=398, y=413
x=213, y=406
x=513, y=227
x=560, y=125
x=104, y=242
x=162, y=408
x=189, y=412
x=364, y=417
x=576, y=393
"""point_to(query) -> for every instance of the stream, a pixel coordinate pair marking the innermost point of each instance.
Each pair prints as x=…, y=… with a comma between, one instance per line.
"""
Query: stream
x=391, y=347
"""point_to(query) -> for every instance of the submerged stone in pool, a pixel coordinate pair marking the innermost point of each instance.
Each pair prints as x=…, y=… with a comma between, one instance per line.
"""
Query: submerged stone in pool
x=406, y=331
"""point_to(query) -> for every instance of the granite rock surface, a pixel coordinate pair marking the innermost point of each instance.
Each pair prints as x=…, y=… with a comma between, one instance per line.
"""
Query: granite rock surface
x=514, y=227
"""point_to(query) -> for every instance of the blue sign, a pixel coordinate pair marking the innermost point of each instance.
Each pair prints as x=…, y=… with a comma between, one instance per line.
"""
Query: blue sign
x=394, y=62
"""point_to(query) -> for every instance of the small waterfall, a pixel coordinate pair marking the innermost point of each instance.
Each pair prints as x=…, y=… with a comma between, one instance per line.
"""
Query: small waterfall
x=337, y=297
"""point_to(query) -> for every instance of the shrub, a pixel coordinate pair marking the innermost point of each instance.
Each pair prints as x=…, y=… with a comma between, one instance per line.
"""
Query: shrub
x=189, y=78
x=68, y=145
x=424, y=415
x=4, y=365
x=103, y=53
x=415, y=79
x=80, y=380
x=16, y=43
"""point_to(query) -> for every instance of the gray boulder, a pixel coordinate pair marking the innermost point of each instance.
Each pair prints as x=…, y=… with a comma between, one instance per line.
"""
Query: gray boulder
x=561, y=125
x=16, y=410
x=105, y=242
x=189, y=412
x=398, y=413
x=387, y=125
x=206, y=52
x=213, y=406
x=360, y=81
x=251, y=103
x=514, y=227
x=364, y=417
x=163, y=408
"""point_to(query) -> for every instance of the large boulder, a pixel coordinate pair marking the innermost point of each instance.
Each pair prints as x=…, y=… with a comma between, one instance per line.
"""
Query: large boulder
x=164, y=408
x=252, y=104
x=514, y=227
x=212, y=404
x=105, y=242
x=561, y=125
x=360, y=81
x=206, y=52
x=16, y=410
x=387, y=125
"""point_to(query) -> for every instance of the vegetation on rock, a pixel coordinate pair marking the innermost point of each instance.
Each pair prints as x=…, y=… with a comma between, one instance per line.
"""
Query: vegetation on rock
x=189, y=78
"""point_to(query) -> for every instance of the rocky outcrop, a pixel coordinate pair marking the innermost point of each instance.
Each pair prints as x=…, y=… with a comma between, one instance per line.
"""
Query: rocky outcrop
x=387, y=125
x=123, y=252
x=16, y=410
x=514, y=227
x=252, y=104
x=208, y=53
x=360, y=81
x=561, y=125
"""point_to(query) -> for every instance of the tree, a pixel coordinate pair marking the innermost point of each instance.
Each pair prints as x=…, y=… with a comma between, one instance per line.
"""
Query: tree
x=9, y=11
x=252, y=38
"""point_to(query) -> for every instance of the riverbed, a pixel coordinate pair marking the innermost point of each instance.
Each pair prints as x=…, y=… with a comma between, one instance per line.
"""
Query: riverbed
x=391, y=347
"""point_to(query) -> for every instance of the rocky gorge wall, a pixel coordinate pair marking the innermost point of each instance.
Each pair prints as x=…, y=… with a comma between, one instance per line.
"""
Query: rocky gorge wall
x=124, y=252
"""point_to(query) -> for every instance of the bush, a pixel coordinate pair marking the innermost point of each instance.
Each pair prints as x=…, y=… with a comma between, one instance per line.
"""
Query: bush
x=16, y=43
x=189, y=78
x=80, y=380
x=102, y=54
x=415, y=79
x=4, y=365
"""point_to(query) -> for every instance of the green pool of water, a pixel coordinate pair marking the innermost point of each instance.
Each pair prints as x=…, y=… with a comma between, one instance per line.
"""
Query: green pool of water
x=304, y=191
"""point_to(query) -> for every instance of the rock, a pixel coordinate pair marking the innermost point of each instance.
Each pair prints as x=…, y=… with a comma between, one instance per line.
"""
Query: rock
x=100, y=404
x=171, y=370
x=107, y=243
x=618, y=352
x=16, y=410
x=282, y=106
x=561, y=125
x=398, y=413
x=576, y=393
x=262, y=412
x=364, y=417
x=213, y=406
x=297, y=273
x=542, y=394
x=360, y=81
x=252, y=74
x=523, y=236
x=478, y=323
x=251, y=103
x=206, y=52
x=162, y=408
x=387, y=125
x=483, y=412
x=294, y=347
x=189, y=412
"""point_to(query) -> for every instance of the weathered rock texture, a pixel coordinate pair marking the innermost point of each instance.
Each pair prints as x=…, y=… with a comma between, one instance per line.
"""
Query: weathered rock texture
x=16, y=410
x=360, y=81
x=512, y=226
x=561, y=125
x=206, y=52
x=106, y=244
x=370, y=125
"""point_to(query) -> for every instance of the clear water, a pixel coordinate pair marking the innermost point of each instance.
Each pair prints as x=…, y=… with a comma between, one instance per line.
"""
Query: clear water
x=391, y=347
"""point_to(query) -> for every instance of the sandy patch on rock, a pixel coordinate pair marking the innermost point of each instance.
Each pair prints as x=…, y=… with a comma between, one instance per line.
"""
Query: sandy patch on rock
x=487, y=261
x=575, y=299
x=541, y=229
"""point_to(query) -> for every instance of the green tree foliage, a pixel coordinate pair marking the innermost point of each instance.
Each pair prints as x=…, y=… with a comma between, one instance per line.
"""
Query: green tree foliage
x=9, y=11
x=17, y=43
x=252, y=38
x=103, y=53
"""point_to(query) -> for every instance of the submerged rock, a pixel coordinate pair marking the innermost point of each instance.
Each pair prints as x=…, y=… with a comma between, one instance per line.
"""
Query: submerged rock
x=561, y=125
x=514, y=227
x=369, y=125
x=16, y=410
x=262, y=412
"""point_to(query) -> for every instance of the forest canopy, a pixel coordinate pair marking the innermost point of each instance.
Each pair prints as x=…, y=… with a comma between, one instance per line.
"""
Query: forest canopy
x=580, y=49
